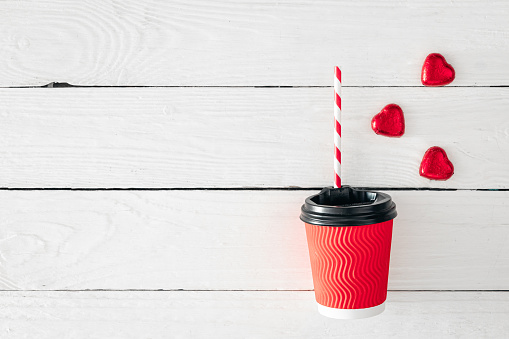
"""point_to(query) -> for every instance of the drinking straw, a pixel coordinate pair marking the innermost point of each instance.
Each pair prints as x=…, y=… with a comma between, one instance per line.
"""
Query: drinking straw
x=337, y=128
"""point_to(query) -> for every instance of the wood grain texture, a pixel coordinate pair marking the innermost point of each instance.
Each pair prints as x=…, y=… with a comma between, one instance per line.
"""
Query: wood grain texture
x=240, y=240
x=243, y=252
x=246, y=137
x=249, y=42
x=245, y=314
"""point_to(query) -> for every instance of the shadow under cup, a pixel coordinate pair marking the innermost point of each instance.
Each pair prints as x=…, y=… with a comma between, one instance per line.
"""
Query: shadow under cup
x=349, y=234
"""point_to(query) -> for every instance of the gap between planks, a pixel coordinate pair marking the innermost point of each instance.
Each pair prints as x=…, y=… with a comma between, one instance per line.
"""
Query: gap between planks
x=240, y=189
x=230, y=290
x=67, y=85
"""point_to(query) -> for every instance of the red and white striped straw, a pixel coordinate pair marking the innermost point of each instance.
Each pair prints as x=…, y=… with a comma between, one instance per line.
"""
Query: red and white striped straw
x=337, y=127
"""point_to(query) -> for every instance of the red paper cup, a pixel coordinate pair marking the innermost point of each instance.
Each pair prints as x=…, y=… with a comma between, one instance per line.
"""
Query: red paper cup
x=349, y=234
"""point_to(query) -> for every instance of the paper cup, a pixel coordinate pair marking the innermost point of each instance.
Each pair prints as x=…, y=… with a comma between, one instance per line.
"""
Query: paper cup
x=349, y=234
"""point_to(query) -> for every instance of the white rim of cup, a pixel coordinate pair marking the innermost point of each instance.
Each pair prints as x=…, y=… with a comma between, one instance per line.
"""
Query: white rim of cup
x=341, y=313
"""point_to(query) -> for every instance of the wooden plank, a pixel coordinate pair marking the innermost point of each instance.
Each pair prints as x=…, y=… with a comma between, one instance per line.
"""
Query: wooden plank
x=250, y=42
x=246, y=137
x=240, y=240
x=113, y=314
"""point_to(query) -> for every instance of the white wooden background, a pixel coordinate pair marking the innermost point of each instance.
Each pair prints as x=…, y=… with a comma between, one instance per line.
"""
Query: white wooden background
x=159, y=195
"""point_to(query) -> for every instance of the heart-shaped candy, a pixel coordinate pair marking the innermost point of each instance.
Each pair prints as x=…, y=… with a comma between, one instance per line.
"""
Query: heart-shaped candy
x=389, y=122
x=435, y=164
x=436, y=71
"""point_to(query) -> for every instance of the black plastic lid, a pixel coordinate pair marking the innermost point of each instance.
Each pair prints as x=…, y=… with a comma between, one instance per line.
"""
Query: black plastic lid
x=347, y=206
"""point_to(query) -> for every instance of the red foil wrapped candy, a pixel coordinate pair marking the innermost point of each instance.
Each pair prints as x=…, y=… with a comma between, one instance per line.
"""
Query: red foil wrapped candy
x=389, y=122
x=435, y=165
x=436, y=71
